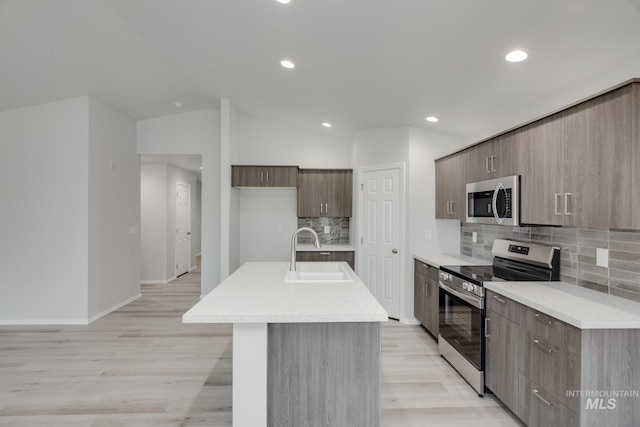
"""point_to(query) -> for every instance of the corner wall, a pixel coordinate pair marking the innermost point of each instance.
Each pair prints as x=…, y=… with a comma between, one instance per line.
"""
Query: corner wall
x=114, y=210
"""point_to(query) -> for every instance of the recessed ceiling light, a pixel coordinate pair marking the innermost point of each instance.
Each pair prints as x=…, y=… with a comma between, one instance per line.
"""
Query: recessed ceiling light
x=177, y=104
x=287, y=64
x=327, y=124
x=432, y=119
x=200, y=167
x=284, y=1
x=516, y=56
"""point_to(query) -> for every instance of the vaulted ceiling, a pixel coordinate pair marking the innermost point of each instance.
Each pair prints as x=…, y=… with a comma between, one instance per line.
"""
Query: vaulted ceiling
x=359, y=63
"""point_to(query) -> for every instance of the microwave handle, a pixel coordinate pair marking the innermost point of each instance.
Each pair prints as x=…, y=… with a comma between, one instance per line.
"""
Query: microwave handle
x=494, y=203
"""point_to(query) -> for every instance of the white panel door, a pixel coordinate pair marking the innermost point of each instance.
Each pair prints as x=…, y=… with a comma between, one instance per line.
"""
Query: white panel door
x=381, y=237
x=183, y=227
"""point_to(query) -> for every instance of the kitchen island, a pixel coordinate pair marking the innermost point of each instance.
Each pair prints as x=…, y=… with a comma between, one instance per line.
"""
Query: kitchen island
x=304, y=353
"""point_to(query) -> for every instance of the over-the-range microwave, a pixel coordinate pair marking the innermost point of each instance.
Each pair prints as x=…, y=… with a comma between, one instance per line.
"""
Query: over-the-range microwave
x=494, y=201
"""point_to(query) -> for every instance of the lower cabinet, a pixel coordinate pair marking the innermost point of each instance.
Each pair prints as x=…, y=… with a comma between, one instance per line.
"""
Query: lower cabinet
x=550, y=373
x=347, y=256
x=426, y=296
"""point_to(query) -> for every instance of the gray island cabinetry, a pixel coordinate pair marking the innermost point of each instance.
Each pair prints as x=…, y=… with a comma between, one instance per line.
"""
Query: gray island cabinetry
x=304, y=353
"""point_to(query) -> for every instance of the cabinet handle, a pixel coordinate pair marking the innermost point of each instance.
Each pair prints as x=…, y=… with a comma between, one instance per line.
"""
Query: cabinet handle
x=486, y=327
x=557, y=197
x=541, y=319
x=499, y=299
x=452, y=210
x=261, y=176
x=537, y=394
x=566, y=204
x=320, y=207
x=427, y=288
x=486, y=164
x=543, y=347
x=267, y=177
x=326, y=208
x=493, y=166
x=325, y=253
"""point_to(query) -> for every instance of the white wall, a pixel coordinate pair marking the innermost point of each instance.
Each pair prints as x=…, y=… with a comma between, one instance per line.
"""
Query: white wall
x=114, y=210
x=153, y=220
x=264, y=220
x=267, y=143
x=196, y=132
x=44, y=185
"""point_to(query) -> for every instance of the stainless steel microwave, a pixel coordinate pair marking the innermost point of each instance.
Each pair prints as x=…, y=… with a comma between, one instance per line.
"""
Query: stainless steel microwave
x=495, y=201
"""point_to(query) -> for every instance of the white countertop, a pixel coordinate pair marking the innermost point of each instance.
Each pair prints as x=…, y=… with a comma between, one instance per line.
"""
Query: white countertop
x=308, y=247
x=577, y=306
x=257, y=293
x=436, y=260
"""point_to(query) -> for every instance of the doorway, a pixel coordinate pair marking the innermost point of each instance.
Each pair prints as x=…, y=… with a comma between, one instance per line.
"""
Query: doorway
x=381, y=234
x=183, y=228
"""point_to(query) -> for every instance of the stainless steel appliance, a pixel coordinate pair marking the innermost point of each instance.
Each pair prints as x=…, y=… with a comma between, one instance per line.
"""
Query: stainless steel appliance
x=462, y=305
x=495, y=201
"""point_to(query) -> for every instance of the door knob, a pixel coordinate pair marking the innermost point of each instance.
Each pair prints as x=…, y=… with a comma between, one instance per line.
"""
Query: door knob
x=394, y=251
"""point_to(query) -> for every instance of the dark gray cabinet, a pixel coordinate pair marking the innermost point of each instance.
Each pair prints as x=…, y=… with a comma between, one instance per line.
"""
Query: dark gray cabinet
x=325, y=193
x=502, y=348
x=452, y=174
x=264, y=176
x=426, y=296
x=347, y=256
x=538, y=365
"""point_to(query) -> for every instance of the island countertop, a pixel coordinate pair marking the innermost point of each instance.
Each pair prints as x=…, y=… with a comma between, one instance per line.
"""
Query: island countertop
x=257, y=293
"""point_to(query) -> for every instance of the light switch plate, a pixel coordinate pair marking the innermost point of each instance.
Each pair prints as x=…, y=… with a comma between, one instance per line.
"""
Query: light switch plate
x=602, y=257
x=474, y=237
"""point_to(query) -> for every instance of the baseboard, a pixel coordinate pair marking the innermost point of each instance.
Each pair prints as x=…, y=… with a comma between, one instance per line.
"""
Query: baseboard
x=410, y=321
x=114, y=308
x=28, y=322
x=154, y=282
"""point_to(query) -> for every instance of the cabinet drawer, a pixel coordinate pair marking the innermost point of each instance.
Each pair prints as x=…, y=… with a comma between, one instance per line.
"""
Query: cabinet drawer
x=538, y=408
x=504, y=306
x=427, y=270
x=550, y=355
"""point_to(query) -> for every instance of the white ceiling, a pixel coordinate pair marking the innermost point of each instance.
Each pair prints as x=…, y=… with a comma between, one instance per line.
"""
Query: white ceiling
x=359, y=63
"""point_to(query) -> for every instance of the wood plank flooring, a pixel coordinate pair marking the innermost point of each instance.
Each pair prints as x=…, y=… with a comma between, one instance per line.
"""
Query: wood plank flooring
x=140, y=366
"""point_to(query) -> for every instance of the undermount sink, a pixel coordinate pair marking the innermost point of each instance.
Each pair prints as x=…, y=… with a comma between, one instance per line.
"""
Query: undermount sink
x=319, y=272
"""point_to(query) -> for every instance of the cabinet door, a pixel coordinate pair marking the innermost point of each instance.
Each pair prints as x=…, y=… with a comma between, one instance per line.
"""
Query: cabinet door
x=325, y=193
x=418, y=294
x=246, y=176
x=635, y=118
x=540, y=156
x=339, y=196
x=501, y=359
x=279, y=176
x=482, y=159
x=451, y=178
x=598, y=161
x=432, y=306
x=311, y=193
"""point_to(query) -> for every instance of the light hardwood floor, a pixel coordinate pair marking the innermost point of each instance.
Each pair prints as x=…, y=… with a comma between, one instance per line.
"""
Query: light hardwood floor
x=140, y=366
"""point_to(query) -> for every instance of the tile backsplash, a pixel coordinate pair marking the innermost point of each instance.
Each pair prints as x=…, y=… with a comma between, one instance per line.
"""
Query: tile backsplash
x=338, y=230
x=577, y=253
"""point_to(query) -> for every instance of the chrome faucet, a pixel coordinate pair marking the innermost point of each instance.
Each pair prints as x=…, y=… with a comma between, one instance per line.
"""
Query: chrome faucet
x=316, y=243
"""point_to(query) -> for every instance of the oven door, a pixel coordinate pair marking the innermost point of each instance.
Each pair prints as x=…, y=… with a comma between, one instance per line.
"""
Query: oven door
x=462, y=324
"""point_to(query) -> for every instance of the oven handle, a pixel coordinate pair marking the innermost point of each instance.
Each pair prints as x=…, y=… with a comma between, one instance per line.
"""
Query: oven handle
x=476, y=302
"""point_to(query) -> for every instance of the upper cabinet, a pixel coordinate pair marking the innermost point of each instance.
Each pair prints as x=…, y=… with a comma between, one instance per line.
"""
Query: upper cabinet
x=578, y=168
x=325, y=192
x=493, y=159
x=451, y=177
x=264, y=176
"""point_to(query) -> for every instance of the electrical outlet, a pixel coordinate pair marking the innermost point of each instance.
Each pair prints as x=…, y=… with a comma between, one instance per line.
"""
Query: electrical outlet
x=602, y=257
x=428, y=235
x=474, y=237
x=327, y=229
x=280, y=229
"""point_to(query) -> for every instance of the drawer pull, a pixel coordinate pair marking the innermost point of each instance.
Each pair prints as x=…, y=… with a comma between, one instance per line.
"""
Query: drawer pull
x=486, y=327
x=499, y=299
x=543, y=347
x=541, y=319
x=537, y=394
x=325, y=253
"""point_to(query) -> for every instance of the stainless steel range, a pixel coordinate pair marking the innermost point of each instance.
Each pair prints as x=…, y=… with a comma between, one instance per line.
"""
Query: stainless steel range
x=462, y=305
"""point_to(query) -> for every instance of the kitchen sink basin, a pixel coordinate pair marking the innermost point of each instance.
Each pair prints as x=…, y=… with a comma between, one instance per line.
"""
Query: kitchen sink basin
x=319, y=272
